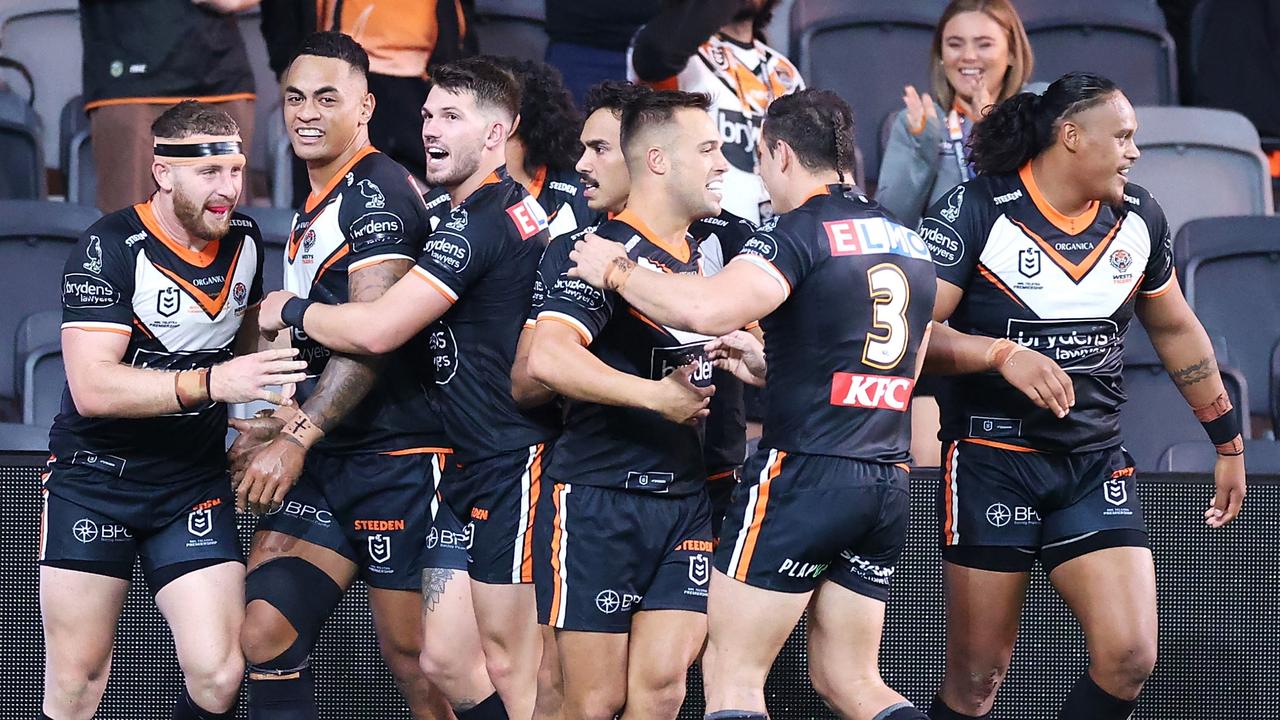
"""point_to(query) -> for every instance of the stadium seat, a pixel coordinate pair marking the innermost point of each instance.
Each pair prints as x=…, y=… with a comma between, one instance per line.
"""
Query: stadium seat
x=1156, y=415
x=1260, y=456
x=44, y=35
x=865, y=52
x=1199, y=163
x=37, y=347
x=1124, y=41
x=1233, y=284
x=1274, y=384
x=35, y=238
x=75, y=153
x=16, y=437
x=512, y=27
x=275, y=224
x=279, y=160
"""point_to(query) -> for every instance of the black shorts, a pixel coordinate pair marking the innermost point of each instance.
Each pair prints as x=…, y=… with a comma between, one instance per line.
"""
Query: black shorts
x=373, y=509
x=720, y=486
x=1033, y=503
x=604, y=554
x=796, y=520
x=449, y=541
x=164, y=526
x=498, y=498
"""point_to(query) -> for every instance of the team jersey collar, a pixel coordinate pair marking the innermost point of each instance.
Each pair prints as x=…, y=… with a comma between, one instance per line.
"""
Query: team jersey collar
x=629, y=216
x=1069, y=224
x=497, y=176
x=314, y=199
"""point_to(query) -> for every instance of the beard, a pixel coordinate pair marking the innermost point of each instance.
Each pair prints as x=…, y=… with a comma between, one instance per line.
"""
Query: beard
x=191, y=214
x=462, y=165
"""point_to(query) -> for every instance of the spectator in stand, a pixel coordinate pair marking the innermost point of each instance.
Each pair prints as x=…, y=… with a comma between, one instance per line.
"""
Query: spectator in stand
x=589, y=40
x=140, y=58
x=980, y=57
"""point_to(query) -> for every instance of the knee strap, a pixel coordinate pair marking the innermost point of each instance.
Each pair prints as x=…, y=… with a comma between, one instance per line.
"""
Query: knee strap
x=304, y=594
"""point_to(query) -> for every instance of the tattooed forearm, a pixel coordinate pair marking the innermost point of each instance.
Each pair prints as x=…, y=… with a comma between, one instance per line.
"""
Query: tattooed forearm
x=434, y=581
x=347, y=379
x=1194, y=373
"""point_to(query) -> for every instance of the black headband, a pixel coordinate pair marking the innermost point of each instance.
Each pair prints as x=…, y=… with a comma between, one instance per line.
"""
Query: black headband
x=207, y=149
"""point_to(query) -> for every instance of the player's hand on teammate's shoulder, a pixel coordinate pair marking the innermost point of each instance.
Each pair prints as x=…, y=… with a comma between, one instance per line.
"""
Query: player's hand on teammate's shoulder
x=253, y=376
x=1040, y=379
x=270, y=320
x=272, y=471
x=1229, y=490
x=677, y=399
x=739, y=353
x=594, y=256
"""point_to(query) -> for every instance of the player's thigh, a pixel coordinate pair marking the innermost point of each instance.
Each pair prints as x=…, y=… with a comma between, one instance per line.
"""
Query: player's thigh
x=594, y=668
x=79, y=611
x=205, y=610
x=844, y=629
x=397, y=620
x=506, y=614
x=664, y=643
x=983, y=608
x=1113, y=594
x=747, y=626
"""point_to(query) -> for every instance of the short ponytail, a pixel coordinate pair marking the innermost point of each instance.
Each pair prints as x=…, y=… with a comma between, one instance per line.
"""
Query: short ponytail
x=1020, y=128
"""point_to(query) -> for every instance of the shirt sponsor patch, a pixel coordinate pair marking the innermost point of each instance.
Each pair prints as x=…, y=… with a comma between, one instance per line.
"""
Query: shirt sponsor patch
x=874, y=236
x=450, y=251
x=81, y=290
x=529, y=217
x=873, y=392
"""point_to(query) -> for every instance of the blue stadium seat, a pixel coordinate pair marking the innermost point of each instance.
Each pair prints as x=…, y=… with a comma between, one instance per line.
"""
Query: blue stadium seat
x=1199, y=163
x=865, y=52
x=38, y=361
x=35, y=238
x=75, y=153
x=1233, y=284
x=266, y=105
x=44, y=35
x=512, y=27
x=1260, y=456
x=1275, y=388
x=1156, y=415
x=1124, y=41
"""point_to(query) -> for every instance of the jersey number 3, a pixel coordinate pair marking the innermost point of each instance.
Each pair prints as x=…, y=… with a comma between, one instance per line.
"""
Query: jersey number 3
x=890, y=294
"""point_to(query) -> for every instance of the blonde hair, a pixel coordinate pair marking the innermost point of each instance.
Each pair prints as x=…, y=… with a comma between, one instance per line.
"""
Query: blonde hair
x=1020, y=56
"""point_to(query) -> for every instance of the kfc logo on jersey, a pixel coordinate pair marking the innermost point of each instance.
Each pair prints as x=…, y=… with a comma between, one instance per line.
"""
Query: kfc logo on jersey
x=529, y=217
x=874, y=236
x=168, y=300
x=94, y=253
x=873, y=392
x=1029, y=262
x=379, y=548
x=374, y=199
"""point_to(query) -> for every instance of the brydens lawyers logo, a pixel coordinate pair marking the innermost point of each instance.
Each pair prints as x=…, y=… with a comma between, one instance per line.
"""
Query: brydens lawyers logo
x=876, y=392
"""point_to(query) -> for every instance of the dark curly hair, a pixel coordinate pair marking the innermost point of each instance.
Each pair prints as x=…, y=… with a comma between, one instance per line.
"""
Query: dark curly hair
x=549, y=121
x=1025, y=125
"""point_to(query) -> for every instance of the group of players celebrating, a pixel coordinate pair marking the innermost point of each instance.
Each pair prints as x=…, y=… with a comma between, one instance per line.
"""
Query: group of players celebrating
x=531, y=448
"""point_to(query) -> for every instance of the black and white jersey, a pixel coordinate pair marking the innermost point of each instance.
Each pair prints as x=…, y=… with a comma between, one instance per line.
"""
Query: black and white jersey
x=842, y=347
x=370, y=212
x=724, y=444
x=557, y=192
x=180, y=310
x=1062, y=286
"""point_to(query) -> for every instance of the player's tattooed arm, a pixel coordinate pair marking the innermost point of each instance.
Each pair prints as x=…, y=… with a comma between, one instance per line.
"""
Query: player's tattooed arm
x=1196, y=372
x=348, y=378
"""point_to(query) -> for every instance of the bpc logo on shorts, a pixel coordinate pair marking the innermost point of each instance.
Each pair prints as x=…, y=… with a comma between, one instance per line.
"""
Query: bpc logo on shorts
x=85, y=530
x=999, y=515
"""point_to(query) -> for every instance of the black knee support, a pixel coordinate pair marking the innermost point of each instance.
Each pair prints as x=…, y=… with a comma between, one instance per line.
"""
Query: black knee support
x=304, y=594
